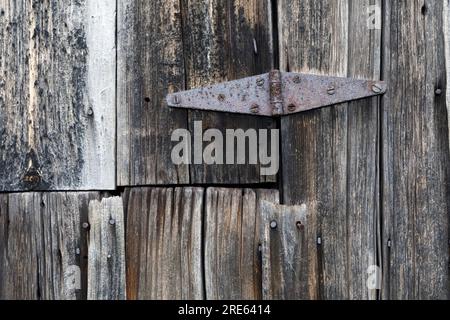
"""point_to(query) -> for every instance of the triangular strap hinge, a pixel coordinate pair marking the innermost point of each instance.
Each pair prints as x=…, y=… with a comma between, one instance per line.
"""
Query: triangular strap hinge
x=276, y=94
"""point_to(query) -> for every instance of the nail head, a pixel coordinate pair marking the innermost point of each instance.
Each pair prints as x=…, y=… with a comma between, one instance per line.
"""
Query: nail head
x=273, y=225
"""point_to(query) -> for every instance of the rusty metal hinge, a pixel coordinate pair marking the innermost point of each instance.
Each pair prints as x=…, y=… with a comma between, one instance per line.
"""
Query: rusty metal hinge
x=276, y=94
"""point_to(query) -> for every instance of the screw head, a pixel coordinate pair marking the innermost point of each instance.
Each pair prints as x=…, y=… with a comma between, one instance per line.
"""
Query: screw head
x=260, y=82
x=438, y=92
x=112, y=222
x=331, y=90
x=90, y=112
x=254, y=109
x=297, y=79
x=85, y=225
x=273, y=225
x=377, y=88
x=77, y=251
x=221, y=97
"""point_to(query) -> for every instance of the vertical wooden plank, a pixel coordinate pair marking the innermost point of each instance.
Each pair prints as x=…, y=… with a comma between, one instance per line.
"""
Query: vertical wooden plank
x=286, y=264
x=106, y=264
x=232, y=239
x=150, y=64
x=446, y=13
x=164, y=244
x=226, y=40
x=42, y=246
x=330, y=155
x=57, y=91
x=415, y=153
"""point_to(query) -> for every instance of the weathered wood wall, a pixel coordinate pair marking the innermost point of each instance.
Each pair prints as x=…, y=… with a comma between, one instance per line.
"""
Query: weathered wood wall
x=362, y=185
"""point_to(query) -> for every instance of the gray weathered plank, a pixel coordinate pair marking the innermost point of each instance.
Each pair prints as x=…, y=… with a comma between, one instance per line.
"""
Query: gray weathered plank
x=232, y=239
x=415, y=153
x=164, y=243
x=219, y=40
x=106, y=263
x=57, y=95
x=446, y=13
x=330, y=155
x=288, y=272
x=43, y=245
x=150, y=64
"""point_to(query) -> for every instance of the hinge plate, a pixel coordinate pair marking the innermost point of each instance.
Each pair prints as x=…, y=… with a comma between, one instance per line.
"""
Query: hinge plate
x=276, y=94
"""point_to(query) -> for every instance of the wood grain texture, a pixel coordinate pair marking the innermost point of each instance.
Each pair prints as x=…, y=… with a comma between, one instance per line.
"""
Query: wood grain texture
x=232, y=239
x=226, y=40
x=164, y=244
x=415, y=153
x=150, y=64
x=288, y=272
x=57, y=95
x=43, y=247
x=106, y=263
x=446, y=14
x=330, y=156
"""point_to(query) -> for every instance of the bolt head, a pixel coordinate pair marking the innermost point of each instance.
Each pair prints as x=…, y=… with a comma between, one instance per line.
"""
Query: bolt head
x=377, y=88
x=260, y=82
x=331, y=90
x=254, y=109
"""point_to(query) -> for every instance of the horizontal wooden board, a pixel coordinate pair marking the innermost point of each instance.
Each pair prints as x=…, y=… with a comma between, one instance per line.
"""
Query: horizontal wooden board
x=57, y=95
